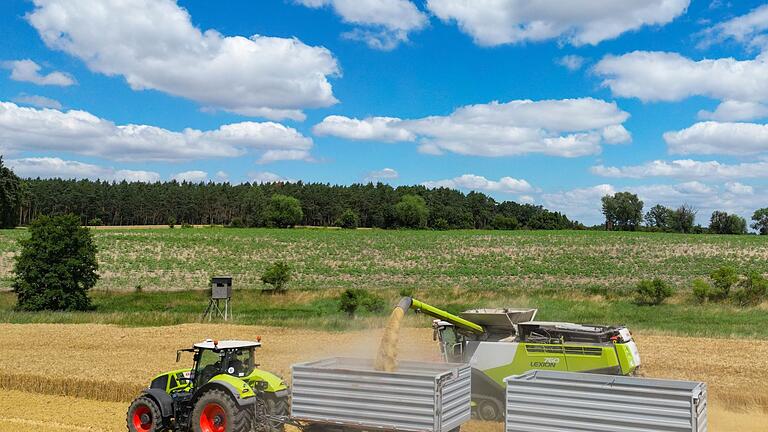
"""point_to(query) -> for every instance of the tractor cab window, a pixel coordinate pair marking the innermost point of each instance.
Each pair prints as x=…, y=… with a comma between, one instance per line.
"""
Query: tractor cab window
x=209, y=364
x=240, y=362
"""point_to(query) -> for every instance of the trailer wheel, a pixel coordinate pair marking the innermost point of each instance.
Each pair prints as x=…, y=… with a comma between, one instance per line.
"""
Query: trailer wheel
x=215, y=411
x=144, y=416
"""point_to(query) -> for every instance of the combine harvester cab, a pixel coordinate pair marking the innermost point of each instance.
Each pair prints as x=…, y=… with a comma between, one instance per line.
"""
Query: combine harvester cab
x=498, y=343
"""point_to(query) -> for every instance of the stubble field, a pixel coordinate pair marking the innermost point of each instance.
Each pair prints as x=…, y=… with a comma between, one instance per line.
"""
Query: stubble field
x=105, y=366
x=76, y=371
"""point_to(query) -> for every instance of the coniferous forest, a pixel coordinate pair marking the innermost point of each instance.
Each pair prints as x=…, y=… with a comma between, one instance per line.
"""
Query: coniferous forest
x=373, y=205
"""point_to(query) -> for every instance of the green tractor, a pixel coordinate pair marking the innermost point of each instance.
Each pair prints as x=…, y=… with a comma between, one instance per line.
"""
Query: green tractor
x=224, y=391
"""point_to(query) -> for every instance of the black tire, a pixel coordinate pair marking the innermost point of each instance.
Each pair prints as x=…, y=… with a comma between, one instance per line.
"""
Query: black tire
x=216, y=411
x=144, y=416
x=276, y=406
x=489, y=409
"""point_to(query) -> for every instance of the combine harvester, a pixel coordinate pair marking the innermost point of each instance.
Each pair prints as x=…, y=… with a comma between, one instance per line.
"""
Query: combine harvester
x=498, y=343
x=224, y=391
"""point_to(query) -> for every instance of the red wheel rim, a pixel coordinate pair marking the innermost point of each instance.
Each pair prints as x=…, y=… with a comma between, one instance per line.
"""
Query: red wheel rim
x=145, y=424
x=213, y=418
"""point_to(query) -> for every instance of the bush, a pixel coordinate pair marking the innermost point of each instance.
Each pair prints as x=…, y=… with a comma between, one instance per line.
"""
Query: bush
x=504, y=223
x=278, y=275
x=723, y=279
x=56, y=267
x=186, y=225
x=752, y=291
x=652, y=292
x=237, y=222
x=283, y=211
x=412, y=212
x=171, y=222
x=702, y=291
x=441, y=224
x=96, y=222
x=348, y=220
x=353, y=299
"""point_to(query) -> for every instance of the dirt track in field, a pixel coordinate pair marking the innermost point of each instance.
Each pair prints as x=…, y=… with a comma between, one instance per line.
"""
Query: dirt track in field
x=106, y=365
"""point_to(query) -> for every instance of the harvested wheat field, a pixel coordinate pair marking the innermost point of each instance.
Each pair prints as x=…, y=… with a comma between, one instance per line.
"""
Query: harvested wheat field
x=103, y=364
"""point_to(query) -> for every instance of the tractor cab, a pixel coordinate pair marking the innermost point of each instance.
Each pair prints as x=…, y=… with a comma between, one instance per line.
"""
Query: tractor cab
x=211, y=358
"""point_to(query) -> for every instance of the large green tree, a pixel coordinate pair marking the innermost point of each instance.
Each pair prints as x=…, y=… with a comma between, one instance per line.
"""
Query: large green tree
x=57, y=265
x=724, y=223
x=658, y=217
x=683, y=219
x=283, y=211
x=760, y=218
x=10, y=197
x=412, y=211
x=623, y=211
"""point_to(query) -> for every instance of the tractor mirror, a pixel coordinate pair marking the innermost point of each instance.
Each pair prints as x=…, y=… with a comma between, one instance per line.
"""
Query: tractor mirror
x=178, y=356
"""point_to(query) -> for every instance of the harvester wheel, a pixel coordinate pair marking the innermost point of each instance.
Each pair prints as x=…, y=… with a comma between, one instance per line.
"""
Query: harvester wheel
x=144, y=416
x=216, y=411
x=489, y=409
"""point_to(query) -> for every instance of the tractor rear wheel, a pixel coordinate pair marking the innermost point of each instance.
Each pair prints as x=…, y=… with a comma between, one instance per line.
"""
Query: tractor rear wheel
x=216, y=411
x=278, y=407
x=144, y=416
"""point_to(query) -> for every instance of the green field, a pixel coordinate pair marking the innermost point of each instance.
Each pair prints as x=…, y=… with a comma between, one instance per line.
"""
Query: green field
x=569, y=275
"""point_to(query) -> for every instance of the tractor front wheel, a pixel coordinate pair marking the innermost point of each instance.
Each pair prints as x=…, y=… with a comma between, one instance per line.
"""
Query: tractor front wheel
x=216, y=411
x=144, y=416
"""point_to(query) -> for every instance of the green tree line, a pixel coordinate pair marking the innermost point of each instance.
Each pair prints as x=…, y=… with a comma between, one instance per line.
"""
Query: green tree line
x=365, y=205
x=624, y=211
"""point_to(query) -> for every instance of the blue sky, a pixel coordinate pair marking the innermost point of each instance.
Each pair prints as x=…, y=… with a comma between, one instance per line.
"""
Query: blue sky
x=554, y=103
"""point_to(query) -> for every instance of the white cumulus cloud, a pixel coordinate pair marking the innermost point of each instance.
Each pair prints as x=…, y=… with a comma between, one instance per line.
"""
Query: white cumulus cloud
x=686, y=169
x=480, y=183
x=383, y=24
x=372, y=128
x=267, y=177
x=382, y=174
x=749, y=29
x=51, y=167
x=567, y=128
x=30, y=129
x=665, y=76
x=29, y=71
x=571, y=62
x=191, y=176
x=731, y=110
x=154, y=45
x=38, y=101
x=578, y=22
x=737, y=139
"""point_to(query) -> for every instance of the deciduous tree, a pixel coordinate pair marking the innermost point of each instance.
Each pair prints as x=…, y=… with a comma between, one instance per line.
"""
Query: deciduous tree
x=623, y=210
x=57, y=265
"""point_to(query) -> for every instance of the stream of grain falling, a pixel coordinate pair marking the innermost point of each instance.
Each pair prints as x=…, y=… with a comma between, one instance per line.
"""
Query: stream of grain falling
x=386, y=360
